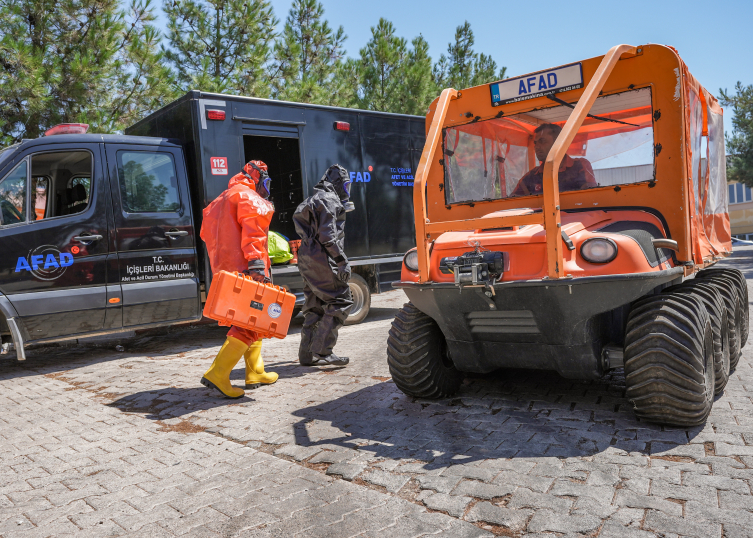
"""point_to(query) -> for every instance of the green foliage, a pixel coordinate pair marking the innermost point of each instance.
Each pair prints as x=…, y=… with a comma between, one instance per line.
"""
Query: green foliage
x=464, y=68
x=392, y=77
x=220, y=45
x=103, y=62
x=307, y=58
x=740, y=142
x=71, y=61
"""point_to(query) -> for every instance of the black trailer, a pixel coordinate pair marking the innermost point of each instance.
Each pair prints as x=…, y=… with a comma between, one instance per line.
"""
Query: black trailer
x=99, y=233
x=220, y=133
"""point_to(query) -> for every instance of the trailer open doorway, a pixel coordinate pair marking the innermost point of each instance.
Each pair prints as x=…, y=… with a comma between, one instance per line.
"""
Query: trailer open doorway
x=283, y=158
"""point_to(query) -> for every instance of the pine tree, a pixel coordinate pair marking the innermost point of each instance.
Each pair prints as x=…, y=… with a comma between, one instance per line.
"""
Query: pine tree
x=381, y=68
x=420, y=89
x=740, y=142
x=307, y=57
x=220, y=45
x=464, y=68
x=393, y=77
x=72, y=61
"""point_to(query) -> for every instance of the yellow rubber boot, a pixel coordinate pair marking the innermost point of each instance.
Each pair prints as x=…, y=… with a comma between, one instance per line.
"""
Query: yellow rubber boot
x=255, y=366
x=218, y=375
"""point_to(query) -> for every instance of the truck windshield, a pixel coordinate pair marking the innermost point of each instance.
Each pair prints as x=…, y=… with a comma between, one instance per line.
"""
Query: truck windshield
x=502, y=157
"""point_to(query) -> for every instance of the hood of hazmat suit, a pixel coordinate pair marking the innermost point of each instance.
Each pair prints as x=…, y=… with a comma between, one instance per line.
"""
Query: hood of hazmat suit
x=236, y=224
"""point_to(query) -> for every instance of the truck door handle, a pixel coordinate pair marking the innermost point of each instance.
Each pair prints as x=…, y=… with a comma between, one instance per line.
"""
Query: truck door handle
x=87, y=238
x=176, y=233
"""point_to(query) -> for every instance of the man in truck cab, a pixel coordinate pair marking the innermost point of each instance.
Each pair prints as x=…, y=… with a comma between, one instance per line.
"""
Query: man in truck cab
x=574, y=174
x=235, y=230
x=320, y=223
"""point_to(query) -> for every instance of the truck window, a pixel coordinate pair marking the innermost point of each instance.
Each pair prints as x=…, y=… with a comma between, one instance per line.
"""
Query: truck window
x=148, y=182
x=497, y=158
x=13, y=196
x=52, y=192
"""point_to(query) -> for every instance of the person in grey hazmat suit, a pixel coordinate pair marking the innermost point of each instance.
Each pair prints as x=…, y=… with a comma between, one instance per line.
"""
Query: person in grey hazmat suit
x=320, y=222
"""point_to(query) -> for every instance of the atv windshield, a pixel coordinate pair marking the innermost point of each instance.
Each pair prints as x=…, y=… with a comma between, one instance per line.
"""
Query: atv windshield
x=502, y=157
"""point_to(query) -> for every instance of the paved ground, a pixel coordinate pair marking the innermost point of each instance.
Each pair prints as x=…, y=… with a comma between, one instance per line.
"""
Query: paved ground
x=105, y=443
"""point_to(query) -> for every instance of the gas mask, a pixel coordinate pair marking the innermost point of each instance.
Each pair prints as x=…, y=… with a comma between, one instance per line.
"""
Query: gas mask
x=262, y=185
x=340, y=179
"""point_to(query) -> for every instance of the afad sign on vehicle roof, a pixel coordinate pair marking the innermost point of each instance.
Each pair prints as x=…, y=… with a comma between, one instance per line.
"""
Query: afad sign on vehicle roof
x=559, y=79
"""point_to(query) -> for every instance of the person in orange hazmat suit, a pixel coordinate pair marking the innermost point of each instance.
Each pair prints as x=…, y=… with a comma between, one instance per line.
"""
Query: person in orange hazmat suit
x=235, y=229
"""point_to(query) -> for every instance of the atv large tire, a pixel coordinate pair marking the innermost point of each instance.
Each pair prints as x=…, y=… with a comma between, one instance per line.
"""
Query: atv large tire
x=669, y=360
x=417, y=355
x=712, y=300
x=728, y=289
x=742, y=289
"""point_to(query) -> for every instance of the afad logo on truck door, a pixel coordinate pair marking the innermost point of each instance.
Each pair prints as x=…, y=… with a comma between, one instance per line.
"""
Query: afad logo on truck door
x=45, y=262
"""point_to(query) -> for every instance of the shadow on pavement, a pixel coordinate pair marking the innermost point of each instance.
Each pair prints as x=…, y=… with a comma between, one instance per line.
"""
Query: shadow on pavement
x=512, y=413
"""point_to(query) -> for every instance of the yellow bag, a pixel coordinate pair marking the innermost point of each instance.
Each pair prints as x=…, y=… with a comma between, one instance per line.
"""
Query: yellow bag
x=279, y=249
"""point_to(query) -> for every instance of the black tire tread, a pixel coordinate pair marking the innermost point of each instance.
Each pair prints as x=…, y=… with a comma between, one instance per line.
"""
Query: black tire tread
x=728, y=289
x=414, y=356
x=668, y=343
x=712, y=300
x=742, y=288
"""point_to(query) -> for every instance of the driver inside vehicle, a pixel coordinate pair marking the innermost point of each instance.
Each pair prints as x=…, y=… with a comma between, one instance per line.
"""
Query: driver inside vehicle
x=574, y=174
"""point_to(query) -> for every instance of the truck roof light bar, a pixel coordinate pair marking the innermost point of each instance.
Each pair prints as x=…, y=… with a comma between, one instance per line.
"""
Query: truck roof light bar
x=67, y=128
x=216, y=115
x=342, y=126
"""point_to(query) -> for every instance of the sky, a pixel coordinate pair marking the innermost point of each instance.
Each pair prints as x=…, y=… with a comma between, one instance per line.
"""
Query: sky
x=714, y=38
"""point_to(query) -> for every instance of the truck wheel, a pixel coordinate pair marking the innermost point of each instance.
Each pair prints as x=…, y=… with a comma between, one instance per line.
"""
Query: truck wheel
x=417, y=355
x=361, y=294
x=742, y=288
x=669, y=360
x=712, y=300
x=728, y=290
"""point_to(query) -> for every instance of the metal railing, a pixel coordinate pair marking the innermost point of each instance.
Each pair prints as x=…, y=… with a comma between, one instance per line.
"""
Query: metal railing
x=550, y=218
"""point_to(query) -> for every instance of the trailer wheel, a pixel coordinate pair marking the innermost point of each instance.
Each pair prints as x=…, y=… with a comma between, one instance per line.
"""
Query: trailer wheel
x=669, y=360
x=712, y=300
x=417, y=356
x=728, y=290
x=742, y=289
x=361, y=294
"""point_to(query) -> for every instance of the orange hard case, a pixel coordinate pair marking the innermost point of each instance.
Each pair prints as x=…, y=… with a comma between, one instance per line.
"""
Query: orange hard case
x=237, y=299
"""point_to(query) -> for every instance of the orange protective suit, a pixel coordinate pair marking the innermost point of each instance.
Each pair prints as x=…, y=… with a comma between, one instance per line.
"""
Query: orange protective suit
x=235, y=230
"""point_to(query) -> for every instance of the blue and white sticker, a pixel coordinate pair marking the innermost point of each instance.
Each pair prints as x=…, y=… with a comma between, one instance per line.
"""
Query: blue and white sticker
x=560, y=79
x=274, y=310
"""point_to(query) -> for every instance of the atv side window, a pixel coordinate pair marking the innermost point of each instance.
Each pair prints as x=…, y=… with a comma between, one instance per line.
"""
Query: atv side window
x=13, y=196
x=502, y=157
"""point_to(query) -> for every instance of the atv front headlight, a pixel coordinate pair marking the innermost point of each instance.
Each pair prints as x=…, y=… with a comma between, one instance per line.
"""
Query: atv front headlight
x=598, y=250
x=411, y=260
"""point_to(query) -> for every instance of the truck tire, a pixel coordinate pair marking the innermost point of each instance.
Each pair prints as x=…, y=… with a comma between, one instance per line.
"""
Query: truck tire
x=417, y=356
x=742, y=288
x=361, y=294
x=712, y=300
x=728, y=290
x=669, y=360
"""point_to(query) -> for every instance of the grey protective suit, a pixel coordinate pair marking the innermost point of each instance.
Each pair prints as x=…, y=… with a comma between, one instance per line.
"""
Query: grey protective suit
x=320, y=223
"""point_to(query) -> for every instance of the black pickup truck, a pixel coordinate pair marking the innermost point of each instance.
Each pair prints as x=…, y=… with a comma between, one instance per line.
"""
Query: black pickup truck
x=99, y=233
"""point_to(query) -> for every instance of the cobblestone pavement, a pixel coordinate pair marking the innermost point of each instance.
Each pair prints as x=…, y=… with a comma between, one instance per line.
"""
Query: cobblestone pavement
x=105, y=443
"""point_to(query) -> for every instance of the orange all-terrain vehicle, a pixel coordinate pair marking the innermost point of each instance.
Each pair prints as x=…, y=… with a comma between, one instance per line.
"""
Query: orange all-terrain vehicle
x=560, y=217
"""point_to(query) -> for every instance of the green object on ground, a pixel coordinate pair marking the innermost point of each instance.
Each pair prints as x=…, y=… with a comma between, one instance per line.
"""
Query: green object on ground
x=279, y=249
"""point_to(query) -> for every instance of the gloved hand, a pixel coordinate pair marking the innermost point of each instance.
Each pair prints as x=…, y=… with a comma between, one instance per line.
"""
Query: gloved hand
x=343, y=271
x=257, y=270
x=258, y=276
